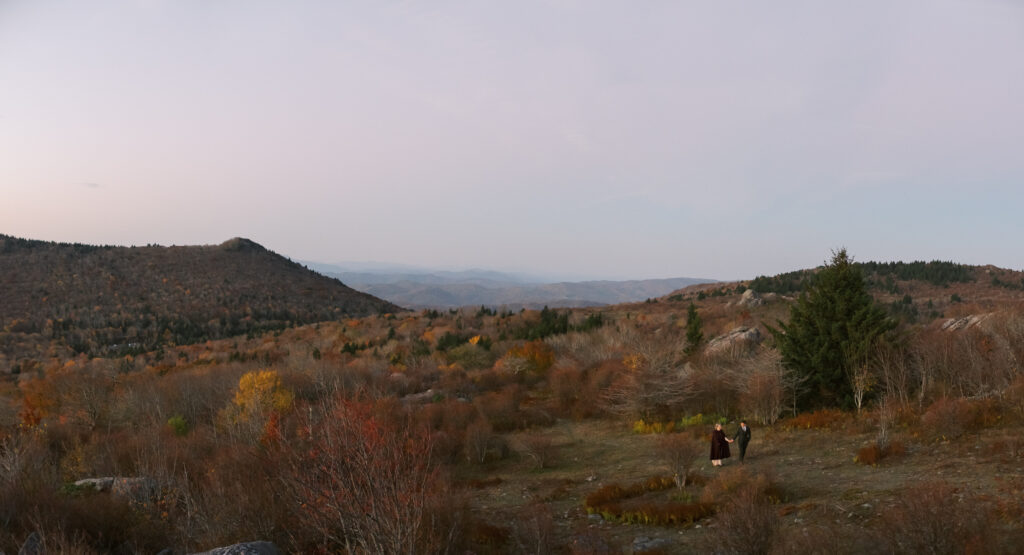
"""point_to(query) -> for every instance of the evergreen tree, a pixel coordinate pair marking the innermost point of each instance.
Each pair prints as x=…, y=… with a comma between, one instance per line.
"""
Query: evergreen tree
x=694, y=330
x=830, y=331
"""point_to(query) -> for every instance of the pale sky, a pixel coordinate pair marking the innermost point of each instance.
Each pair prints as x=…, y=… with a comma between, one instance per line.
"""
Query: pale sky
x=592, y=139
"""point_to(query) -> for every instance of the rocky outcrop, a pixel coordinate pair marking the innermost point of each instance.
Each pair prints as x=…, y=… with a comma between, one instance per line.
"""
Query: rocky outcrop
x=750, y=298
x=137, y=489
x=739, y=338
x=245, y=548
x=954, y=324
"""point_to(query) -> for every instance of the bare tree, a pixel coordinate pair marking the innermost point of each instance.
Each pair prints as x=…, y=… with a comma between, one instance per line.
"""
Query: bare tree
x=478, y=437
x=541, y=450
x=657, y=385
x=365, y=484
x=862, y=380
x=679, y=452
x=763, y=383
x=892, y=365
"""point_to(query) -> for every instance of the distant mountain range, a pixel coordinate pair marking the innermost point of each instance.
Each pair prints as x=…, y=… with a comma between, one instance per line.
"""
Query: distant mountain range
x=421, y=288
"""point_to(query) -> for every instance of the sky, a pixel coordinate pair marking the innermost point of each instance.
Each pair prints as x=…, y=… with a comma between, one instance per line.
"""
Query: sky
x=576, y=139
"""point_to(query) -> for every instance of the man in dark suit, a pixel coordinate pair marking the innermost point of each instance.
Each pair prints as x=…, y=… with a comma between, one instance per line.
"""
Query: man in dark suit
x=742, y=438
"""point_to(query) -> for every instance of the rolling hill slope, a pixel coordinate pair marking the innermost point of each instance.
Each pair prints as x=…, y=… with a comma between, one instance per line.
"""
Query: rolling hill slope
x=104, y=300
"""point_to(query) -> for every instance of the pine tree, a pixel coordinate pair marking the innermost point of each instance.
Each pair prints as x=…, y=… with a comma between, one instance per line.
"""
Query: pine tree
x=694, y=330
x=830, y=332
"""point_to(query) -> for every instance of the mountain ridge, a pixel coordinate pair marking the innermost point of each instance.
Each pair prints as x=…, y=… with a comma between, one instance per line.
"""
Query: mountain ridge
x=97, y=299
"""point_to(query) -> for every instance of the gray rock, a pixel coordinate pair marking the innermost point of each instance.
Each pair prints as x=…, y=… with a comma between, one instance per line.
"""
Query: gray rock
x=33, y=545
x=955, y=324
x=643, y=543
x=750, y=298
x=100, y=484
x=245, y=548
x=137, y=489
x=739, y=338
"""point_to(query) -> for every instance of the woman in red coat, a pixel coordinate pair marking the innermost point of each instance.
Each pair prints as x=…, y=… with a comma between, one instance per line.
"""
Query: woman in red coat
x=719, y=446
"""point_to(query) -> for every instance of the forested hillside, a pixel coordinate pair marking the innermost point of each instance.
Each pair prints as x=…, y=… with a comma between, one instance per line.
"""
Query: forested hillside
x=104, y=301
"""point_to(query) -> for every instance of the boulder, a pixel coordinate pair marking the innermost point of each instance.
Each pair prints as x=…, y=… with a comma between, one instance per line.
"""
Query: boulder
x=750, y=298
x=741, y=337
x=245, y=548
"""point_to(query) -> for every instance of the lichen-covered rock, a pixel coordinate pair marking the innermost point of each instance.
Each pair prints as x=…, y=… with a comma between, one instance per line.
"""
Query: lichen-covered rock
x=245, y=548
x=738, y=338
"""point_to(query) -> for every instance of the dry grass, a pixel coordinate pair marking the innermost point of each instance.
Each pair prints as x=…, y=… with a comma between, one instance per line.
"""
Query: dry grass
x=810, y=496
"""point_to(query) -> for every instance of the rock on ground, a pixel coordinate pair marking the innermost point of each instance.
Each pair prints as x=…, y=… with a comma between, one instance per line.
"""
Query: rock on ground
x=245, y=548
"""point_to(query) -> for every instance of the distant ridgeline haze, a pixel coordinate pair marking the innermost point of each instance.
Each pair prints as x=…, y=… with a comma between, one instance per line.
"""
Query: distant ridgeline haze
x=493, y=289
x=109, y=301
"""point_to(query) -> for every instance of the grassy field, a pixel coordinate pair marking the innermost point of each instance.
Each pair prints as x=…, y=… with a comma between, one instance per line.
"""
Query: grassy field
x=828, y=501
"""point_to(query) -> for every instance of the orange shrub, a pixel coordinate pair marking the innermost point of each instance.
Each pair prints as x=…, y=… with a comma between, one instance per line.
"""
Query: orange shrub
x=820, y=419
x=501, y=408
x=535, y=357
x=566, y=385
x=870, y=454
x=952, y=418
x=729, y=481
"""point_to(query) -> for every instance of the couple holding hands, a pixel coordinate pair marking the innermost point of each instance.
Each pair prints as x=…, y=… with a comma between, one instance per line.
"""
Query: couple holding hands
x=720, y=443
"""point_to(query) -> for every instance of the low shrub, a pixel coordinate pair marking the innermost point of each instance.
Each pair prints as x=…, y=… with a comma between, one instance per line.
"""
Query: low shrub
x=824, y=419
x=615, y=492
x=679, y=452
x=541, y=450
x=874, y=453
x=486, y=537
x=1014, y=396
x=178, y=425
x=613, y=502
x=534, y=530
x=869, y=454
x=643, y=427
x=952, y=418
x=747, y=522
x=482, y=483
x=936, y=517
x=732, y=480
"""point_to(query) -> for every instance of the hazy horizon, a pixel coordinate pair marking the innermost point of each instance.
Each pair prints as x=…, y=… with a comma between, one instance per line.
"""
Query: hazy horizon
x=607, y=139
